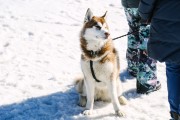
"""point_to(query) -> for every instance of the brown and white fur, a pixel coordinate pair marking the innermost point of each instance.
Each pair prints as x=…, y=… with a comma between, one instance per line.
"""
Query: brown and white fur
x=95, y=37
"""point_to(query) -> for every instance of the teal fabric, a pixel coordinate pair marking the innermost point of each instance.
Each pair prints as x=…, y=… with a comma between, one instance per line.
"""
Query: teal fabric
x=139, y=63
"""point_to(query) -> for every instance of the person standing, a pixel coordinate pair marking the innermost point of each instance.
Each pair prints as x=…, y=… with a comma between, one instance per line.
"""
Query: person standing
x=139, y=64
x=164, y=43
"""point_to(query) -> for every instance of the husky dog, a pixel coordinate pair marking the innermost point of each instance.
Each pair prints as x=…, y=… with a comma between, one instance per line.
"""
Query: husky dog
x=100, y=66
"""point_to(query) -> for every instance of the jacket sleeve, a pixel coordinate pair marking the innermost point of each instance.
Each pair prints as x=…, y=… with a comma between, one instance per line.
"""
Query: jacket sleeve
x=146, y=9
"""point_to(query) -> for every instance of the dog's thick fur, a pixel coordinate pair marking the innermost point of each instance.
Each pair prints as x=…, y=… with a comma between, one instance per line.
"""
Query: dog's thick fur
x=98, y=47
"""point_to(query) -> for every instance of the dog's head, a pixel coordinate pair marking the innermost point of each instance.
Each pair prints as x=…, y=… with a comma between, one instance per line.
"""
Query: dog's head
x=95, y=28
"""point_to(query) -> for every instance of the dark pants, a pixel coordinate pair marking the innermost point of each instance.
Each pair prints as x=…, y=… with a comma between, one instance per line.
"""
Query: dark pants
x=173, y=84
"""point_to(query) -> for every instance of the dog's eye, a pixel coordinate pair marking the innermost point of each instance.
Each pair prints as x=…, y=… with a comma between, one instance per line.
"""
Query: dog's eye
x=98, y=27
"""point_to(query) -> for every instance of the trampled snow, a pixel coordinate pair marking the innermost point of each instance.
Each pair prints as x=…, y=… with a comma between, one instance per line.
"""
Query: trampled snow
x=40, y=57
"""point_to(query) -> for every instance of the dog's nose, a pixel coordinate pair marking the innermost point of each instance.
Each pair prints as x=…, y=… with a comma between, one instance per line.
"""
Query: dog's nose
x=106, y=34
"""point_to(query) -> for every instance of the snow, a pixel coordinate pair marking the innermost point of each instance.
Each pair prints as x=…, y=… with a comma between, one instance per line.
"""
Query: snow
x=40, y=57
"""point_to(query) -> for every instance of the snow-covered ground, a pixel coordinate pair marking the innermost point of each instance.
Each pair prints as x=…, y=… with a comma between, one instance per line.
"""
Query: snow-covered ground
x=40, y=56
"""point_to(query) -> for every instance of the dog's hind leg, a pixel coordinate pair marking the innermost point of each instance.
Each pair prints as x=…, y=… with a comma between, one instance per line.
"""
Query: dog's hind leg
x=122, y=100
x=114, y=97
x=82, y=101
x=80, y=88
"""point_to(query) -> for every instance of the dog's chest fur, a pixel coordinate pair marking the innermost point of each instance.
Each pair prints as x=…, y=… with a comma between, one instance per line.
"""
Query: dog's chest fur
x=105, y=63
x=102, y=71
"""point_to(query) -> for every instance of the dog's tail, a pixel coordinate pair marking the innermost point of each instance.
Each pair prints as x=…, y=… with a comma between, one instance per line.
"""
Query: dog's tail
x=79, y=84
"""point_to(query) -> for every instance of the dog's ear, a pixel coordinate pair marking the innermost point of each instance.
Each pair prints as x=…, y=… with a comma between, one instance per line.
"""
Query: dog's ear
x=104, y=16
x=88, y=15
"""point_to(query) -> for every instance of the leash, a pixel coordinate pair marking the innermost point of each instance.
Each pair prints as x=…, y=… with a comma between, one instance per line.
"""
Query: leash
x=129, y=33
x=91, y=62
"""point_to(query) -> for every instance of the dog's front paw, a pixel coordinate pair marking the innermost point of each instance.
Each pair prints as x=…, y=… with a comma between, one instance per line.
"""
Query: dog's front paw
x=120, y=113
x=122, y=100
x=88, y=112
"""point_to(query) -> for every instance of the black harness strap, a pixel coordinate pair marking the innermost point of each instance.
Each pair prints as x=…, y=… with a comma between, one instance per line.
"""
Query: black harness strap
x=92, y=53
x=92, y=71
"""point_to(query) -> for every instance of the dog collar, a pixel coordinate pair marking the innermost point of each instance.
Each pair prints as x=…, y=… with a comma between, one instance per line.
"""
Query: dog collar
x=93, y=53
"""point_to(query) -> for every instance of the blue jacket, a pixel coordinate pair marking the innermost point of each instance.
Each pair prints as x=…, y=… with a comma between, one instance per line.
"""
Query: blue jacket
x=164, y=42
